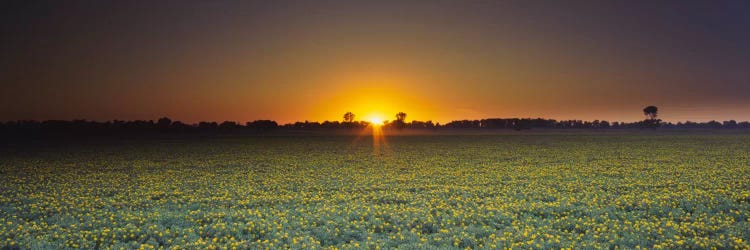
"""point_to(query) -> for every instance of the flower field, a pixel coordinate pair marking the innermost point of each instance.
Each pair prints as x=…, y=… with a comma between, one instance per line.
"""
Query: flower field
x=541, y=191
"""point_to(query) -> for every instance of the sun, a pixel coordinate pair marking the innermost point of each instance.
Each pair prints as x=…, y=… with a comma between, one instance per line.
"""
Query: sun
x=376, y=120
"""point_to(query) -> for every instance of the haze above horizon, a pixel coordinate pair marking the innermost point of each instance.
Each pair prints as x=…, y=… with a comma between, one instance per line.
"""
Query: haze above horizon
x=316, y=60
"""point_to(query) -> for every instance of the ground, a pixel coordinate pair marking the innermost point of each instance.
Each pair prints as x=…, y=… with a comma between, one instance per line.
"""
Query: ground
x=520, y=190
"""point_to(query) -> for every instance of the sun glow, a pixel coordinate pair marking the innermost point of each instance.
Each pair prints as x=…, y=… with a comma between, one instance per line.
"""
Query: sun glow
x=376, y=121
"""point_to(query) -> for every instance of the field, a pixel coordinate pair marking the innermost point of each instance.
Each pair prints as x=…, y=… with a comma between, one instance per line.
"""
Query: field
x=519, y=190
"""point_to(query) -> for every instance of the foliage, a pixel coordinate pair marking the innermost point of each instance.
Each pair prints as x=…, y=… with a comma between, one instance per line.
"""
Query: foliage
x=25, y=129
x=651, y=112
x=401, y=116
x=454, y=192
x=349, y=117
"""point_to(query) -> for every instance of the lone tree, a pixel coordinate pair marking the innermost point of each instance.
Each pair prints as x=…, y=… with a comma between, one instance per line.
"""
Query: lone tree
x=164, y=123
x=651, y=121
x=651, y=112
x=401, y=116
x=400, y=120
x=349, y=117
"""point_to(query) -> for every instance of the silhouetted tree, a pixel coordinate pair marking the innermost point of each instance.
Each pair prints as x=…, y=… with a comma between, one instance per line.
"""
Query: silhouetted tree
x=163, y=124
x=401, y=116
x=208, y=125
x=421, y=125
x=651, y=121
x=180, y=126
x=713, y=124
x=229, y=125
x=604, y=124
x=651, y=112
x=263, y=125
x=729, y=124
x=349, y=117
x=400, y=121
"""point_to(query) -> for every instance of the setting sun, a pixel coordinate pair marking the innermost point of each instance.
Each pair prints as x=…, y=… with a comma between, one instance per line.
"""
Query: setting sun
x=376, y=121
x=375, y=118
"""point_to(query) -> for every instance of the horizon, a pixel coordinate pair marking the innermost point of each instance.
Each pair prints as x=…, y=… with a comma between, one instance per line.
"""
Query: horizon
x=439, y=61
x=370, y=119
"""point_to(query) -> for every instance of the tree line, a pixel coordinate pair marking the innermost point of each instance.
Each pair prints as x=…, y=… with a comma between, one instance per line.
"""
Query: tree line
x=166, y=125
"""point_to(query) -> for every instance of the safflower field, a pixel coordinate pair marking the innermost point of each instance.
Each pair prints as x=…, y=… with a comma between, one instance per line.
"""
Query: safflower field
x=525, y=190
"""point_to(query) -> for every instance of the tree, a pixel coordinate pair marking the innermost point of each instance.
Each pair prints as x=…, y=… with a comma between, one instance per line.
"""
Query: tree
x=401, y=116
x=164, y=123
x=229, y=125
x=651, y=121
x=263, y=125
x=400, y=121
x=349, y=117
x=651, y=112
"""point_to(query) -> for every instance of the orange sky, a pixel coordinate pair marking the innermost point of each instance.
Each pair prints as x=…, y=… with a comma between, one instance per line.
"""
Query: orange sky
x=440, y=61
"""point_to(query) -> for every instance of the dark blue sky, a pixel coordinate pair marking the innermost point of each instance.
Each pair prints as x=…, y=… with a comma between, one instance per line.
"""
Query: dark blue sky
x=315, y=60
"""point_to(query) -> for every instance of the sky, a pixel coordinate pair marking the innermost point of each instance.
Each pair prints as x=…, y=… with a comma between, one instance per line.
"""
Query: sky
x=315, y=60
